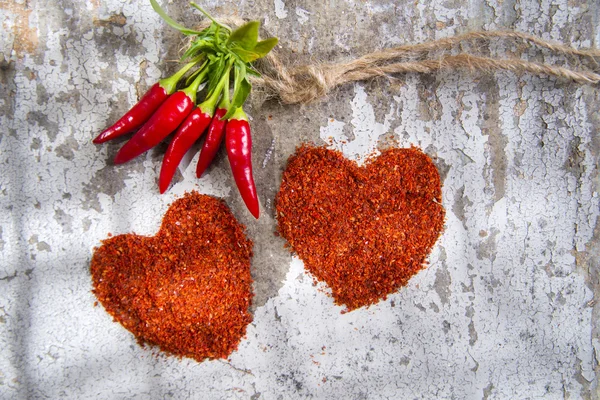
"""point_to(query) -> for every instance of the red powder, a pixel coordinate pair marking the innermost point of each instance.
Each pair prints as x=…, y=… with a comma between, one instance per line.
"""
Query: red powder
x=186, y=290
x=364, y=231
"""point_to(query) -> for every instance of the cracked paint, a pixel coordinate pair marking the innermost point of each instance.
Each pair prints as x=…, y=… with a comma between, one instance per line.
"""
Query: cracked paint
x=506, y=308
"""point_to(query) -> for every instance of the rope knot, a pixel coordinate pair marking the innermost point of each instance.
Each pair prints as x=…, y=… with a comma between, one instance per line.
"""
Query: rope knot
x=309, y=83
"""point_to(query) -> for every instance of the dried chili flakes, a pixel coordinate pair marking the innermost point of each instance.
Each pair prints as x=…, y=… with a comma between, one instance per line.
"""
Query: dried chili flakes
x=365, y=231
x=186, y=290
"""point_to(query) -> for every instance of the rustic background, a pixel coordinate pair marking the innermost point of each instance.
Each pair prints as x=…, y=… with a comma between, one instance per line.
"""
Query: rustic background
x=507, y=307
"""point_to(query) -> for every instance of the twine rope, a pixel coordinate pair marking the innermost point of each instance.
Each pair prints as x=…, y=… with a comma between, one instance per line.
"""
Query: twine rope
x=308, y=83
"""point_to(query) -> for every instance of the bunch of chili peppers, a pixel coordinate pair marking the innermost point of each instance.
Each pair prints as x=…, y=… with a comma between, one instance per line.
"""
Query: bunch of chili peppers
x=215, y=56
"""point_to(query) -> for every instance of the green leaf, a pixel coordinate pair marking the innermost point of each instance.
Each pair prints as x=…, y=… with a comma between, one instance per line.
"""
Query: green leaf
x=245, y=55
x=240, y=74
x=170, y=21
x=263, y=47
x=241, y=88
x=216, y=35
x=207, y=33
x=243, y=93
x=192, y=76
x=217, y=69
x=246, y=36
x=253, y=72
x=239, y=97
x=197, y=47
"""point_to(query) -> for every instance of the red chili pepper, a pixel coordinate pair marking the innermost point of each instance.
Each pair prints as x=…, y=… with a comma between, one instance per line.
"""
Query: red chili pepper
x=214, y=137
x=164, y=121
x=142, y=111
x=213, y=140
x=190, y=130
x=239, y=151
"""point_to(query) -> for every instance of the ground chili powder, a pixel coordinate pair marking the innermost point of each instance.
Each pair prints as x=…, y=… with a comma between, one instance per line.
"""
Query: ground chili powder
x=186, y=290
x=363, y=230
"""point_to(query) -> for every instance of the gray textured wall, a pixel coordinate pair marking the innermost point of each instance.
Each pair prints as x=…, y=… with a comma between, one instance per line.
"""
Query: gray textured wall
x=507, y=307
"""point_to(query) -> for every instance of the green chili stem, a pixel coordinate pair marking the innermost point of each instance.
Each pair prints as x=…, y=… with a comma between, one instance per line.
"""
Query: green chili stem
x=194, y=74
x=170, y=83
x=193, y=88
x=224, y=103
x=239, y=114
x=210, y=103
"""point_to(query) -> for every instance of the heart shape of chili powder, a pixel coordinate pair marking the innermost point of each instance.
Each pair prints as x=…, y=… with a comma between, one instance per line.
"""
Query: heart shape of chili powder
x=186, y=290
x=365, y=231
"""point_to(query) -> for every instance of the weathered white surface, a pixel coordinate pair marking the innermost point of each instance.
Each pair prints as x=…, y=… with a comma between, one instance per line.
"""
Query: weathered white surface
x=506, y=309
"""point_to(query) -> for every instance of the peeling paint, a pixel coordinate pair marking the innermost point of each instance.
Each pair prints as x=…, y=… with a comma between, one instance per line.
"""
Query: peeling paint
x=303, y=15
x=280, y=10
x=506, y=307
